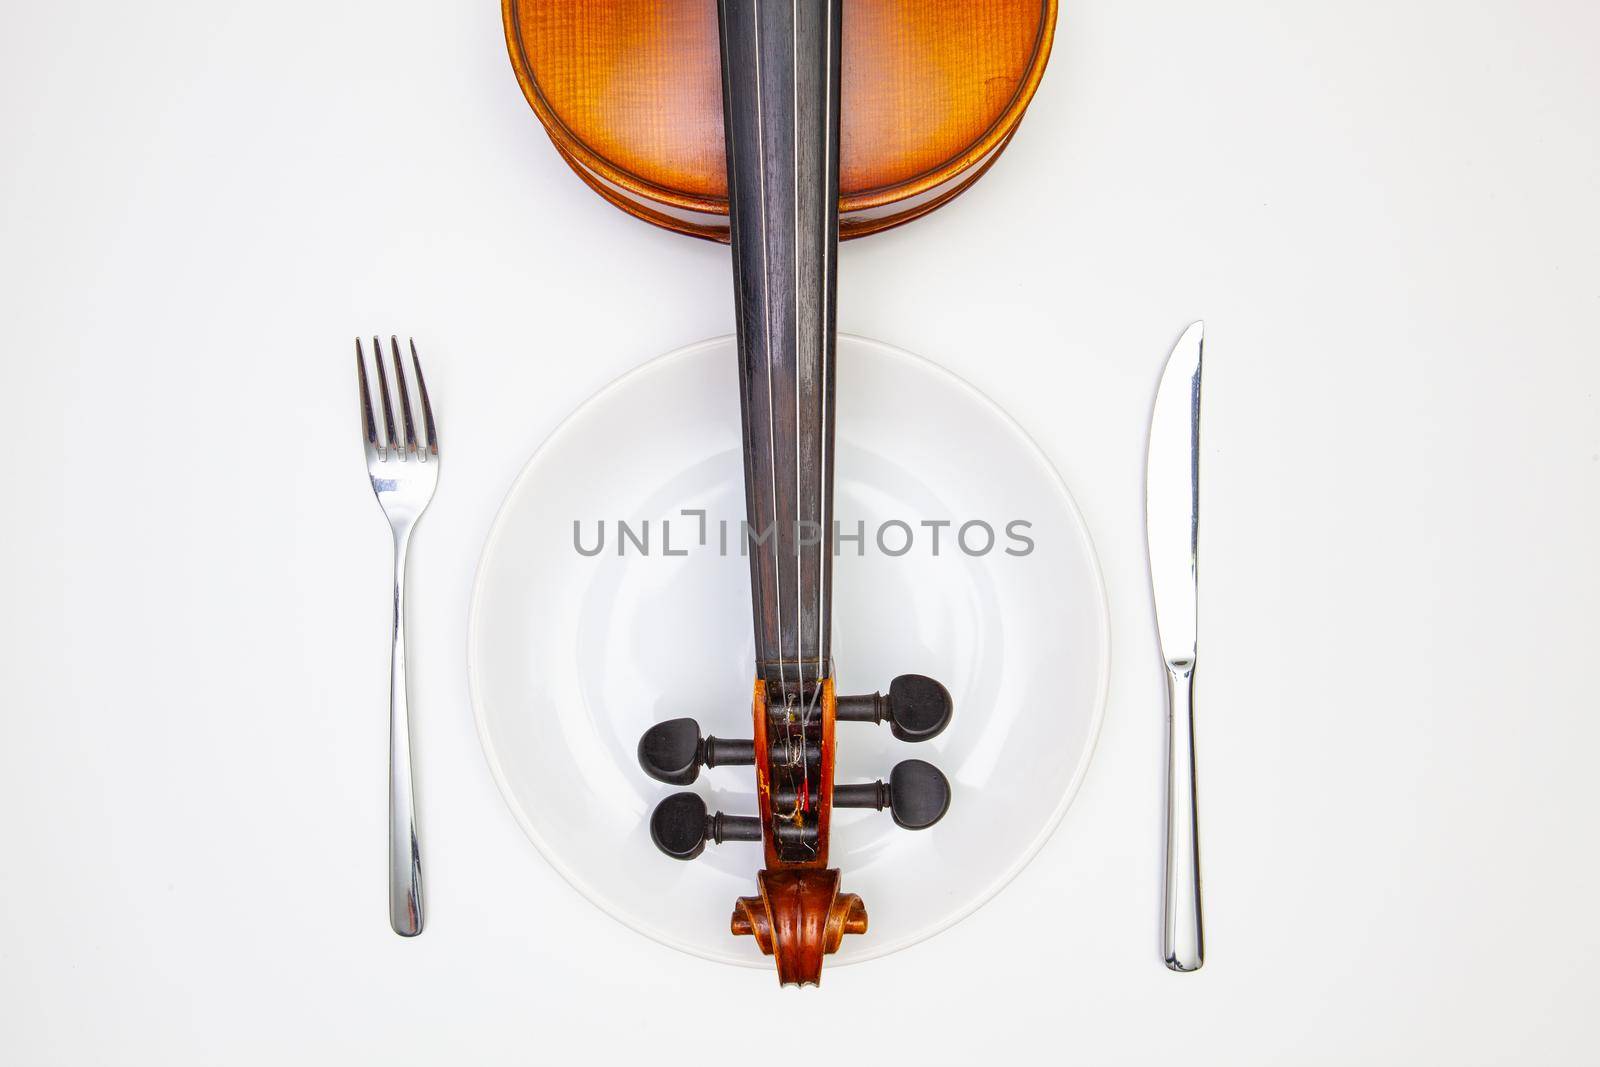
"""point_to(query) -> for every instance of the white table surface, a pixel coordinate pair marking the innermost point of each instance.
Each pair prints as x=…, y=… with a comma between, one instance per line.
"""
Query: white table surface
x=1387, y=214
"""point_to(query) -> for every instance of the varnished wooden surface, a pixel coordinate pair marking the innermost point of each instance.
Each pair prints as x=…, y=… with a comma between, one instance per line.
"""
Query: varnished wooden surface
x=800, y=915
x=769, y=780
x=799, y=918
x=630, y=92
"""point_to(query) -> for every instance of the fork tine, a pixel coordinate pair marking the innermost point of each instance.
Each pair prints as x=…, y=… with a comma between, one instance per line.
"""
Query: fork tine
x=369, y=426
x=427, y=408
x=383, y=390
x=405, y=398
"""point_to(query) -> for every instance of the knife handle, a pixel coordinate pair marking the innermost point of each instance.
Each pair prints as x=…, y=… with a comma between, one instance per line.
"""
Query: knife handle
x=1183, y=940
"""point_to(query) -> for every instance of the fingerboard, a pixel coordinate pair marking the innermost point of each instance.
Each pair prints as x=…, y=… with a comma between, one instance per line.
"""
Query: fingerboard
x=780, y=70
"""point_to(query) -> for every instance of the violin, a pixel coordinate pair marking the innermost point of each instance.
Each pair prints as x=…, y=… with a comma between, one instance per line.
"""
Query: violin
x=780, y=127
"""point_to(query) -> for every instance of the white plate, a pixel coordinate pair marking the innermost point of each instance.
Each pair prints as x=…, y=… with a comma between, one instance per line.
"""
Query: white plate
x=572, y=657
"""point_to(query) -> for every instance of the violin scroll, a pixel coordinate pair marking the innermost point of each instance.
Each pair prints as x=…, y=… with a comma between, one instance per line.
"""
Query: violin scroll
x=799, y=918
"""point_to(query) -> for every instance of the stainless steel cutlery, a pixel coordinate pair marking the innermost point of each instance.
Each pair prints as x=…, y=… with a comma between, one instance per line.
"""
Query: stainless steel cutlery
x=404, y=471
x=1172, y=517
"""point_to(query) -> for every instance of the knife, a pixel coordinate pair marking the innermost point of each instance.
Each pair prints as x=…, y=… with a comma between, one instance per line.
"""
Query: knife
x=1172, y=527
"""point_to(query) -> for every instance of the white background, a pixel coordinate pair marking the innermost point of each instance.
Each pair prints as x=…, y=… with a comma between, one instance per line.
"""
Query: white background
x=1387, y=214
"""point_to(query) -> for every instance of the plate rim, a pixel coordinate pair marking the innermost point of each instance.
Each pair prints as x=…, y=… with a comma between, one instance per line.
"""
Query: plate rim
x=594, y=897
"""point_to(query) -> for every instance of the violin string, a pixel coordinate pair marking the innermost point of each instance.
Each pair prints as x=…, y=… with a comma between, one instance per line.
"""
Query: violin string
x=830, y=169
x=804, y=794
x=739, y=304
x=799, y=354
x=766, y=312
x=823, y=332
x=824, y=604
x=821, y=502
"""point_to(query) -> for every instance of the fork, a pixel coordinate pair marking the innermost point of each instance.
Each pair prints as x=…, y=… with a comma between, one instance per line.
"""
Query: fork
x=404, y=476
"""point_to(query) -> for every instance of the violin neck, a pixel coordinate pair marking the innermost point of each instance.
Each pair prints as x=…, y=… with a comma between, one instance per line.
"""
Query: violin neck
x=780, y=81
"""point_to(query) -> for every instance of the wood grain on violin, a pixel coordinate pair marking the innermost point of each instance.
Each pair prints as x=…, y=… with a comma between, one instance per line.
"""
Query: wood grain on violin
x=630, y=92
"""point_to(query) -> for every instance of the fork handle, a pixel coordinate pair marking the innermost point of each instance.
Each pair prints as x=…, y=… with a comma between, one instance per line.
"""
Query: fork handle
x=1183, y=940
x=405, y=861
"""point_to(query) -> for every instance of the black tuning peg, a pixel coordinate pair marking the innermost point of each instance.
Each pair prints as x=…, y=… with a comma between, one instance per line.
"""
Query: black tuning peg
x=673, y=752
x=917, y=795
x=680, y=826
x=917, y=708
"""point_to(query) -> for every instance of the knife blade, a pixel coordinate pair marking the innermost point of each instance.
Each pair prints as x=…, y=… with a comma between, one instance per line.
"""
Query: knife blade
x=1172, y=531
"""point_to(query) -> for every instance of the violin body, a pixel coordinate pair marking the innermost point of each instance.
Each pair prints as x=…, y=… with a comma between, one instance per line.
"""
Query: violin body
x=630, y=92
x=781, y=126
